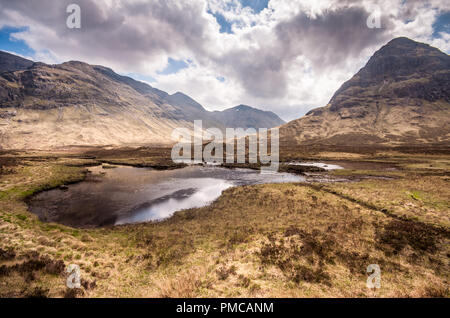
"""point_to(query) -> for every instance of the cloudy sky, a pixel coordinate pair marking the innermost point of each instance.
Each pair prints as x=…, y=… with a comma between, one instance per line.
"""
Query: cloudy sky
x=288, y=56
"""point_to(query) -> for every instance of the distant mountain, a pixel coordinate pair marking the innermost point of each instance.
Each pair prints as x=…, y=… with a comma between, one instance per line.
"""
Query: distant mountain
x=74, y=103
x=400, y=97
x=11, y=63
x=192, y=110
x=248, y=117
x=182, y=100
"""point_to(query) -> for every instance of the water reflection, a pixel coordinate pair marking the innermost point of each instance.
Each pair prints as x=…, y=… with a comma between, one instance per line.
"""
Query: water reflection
x=208, y=189
x=129, y=195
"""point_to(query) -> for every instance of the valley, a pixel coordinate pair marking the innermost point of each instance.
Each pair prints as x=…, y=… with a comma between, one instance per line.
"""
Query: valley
x=87, y=179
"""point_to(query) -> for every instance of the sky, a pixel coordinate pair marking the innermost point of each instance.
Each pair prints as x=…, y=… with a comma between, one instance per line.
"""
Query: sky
x=286, y=56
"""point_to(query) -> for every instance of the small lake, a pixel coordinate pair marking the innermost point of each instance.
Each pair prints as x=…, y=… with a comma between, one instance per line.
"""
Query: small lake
x=132, y=195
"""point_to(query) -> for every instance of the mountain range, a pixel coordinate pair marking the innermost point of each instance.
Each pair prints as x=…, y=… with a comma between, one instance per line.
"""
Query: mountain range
x=46, y=106
x=400, y=97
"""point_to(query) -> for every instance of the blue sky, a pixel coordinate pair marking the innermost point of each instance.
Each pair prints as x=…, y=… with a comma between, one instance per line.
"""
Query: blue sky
x=226, y=26
x=442, y=24
x=173, y=66
x=8, y=43
x=256, y=5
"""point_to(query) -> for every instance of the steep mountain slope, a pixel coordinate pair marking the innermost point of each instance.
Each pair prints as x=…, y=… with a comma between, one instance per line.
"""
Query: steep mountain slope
x=400, y=97
x=10, y=62
x=74, y=103
x=248, y=117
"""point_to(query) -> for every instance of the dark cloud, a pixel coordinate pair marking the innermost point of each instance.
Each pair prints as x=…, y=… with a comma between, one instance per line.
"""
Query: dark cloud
x=124, y=32
x=327, y=40
x=136, y=31
x=330, y=38
x=260, y=71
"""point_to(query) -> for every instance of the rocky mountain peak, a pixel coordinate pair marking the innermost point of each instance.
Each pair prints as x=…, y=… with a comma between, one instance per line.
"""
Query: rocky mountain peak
x=403, y=57
x=401, y=96
x=401, y=68
x=183, y=100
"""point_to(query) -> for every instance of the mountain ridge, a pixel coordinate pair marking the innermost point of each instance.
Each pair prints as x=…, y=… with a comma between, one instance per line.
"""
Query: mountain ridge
x=11, y=62
x=236, y=113
x=401, y=96
x=75, y=103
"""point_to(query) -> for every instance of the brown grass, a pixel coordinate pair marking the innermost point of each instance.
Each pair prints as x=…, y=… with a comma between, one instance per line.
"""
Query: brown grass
x=276, y=240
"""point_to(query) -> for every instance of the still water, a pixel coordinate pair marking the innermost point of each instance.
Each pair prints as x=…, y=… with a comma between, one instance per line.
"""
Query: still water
x=132, y=195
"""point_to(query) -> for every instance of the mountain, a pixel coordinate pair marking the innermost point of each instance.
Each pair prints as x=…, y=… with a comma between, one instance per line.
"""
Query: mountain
x=45, y=106
x=192, y=110
x=248, y=117
x=10, y=62
x=75, y=103
x=182, y=100
x=400, y=97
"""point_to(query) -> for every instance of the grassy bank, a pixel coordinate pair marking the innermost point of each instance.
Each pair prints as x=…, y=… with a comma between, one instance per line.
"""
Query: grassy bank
x=275, y=240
